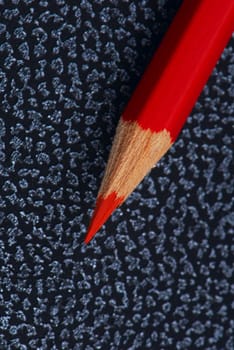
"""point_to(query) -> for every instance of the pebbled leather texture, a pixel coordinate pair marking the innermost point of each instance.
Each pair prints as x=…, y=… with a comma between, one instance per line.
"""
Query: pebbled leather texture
x=159, y=273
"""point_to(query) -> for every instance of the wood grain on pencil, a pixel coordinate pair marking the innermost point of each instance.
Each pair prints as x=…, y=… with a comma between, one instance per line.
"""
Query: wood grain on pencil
x=163, y=99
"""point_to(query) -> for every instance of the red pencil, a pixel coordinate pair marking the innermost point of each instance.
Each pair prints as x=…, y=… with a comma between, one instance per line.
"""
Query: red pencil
x=163, y=99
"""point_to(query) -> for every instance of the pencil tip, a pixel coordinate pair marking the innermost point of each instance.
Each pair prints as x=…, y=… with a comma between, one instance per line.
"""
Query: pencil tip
x=103, y=210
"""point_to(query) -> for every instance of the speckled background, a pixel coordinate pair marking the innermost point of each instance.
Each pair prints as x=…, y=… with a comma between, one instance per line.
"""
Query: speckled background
x=159, y=275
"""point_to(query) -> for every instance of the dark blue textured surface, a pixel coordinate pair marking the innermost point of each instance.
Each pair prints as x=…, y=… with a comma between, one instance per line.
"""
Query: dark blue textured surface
x=159, y=275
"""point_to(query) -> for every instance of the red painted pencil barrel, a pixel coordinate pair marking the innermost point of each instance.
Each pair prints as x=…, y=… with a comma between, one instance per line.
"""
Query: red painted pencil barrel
x=181, y=66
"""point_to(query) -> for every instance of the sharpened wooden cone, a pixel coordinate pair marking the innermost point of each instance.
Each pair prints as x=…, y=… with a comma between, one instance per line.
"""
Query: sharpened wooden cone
x=128, y=163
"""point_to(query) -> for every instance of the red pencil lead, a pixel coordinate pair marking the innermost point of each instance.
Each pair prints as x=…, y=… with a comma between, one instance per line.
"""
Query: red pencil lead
x=103, y=210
